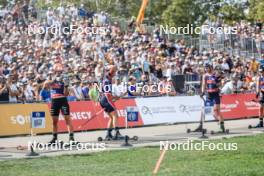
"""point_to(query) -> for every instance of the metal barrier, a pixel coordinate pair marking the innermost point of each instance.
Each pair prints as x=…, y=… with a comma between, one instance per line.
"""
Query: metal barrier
x=234, y=44
x=192, y=77
x=192, y=84
x=231, y=43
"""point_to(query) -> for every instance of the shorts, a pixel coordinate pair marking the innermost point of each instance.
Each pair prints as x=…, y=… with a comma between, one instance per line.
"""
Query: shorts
x=59, y=104
x=214, y=98
x=106, y=104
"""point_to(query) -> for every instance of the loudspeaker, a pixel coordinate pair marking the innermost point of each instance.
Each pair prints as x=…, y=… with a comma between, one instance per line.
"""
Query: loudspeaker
x=178, y=82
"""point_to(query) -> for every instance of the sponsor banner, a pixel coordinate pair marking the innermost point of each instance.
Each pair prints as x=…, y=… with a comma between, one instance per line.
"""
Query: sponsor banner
x=38, y=120
x=88, y=115
x=15, y=119
x=158, y=110
x=132, y=114
x=236, y=106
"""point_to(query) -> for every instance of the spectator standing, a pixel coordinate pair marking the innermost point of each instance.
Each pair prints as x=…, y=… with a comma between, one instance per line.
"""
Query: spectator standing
x=4, y=90
x=14, y=91
x=77, y=90
x=254, y=65
x=45, y=93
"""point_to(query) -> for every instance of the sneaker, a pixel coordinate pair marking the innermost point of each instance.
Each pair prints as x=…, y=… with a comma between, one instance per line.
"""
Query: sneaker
x=71, y=138
x=118, y=135
x=258, y=126
x=73, y=142
x=109, y=137
x=53, y=141
x=222, y=127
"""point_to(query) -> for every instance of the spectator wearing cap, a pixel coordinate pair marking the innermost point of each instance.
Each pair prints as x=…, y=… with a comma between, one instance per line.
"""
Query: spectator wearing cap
x=82, y=11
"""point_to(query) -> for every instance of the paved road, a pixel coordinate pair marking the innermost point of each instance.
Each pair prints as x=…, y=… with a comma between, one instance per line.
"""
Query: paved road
x=148, y=136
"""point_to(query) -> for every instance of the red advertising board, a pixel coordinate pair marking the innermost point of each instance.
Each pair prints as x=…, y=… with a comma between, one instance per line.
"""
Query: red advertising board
x=92, y=115
x=236, y=106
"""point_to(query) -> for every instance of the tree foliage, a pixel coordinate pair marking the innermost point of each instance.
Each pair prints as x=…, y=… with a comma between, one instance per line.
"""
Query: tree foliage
x=256, y=10
x=3, y=2
x=231, y=13
x=182, y=12
x=171, y=12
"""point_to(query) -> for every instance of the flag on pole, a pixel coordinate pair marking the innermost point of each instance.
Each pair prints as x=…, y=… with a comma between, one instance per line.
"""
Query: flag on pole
x=141, y=13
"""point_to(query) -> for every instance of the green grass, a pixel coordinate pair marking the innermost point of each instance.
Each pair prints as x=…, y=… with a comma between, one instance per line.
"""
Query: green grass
x=248, y=160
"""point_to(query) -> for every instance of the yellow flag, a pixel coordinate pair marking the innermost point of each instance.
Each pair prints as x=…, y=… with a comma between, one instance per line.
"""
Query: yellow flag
x=141, y=13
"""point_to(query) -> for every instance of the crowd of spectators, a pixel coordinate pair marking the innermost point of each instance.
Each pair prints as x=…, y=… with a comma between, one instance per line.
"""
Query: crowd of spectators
x=28, y=59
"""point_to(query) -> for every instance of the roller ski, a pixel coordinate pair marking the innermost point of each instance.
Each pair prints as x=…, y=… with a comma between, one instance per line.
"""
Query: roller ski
x=222, y=130
x=116, y=137
x=107, y=138
x=100, y=139
x=110, y=137
x=199, y=129
x=259, y=125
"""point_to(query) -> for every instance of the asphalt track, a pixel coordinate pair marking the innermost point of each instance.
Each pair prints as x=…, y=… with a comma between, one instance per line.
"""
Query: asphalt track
x=17, y=147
